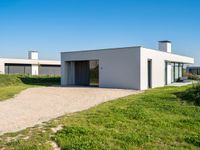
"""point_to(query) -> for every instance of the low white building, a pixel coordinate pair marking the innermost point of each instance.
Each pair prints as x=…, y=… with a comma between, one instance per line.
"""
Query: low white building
x=32, y=65
x=130, y=67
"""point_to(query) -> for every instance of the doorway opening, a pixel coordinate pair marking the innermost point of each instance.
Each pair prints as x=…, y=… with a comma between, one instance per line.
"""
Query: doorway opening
x=87, y=73
x=149, y=68
x=166, y=73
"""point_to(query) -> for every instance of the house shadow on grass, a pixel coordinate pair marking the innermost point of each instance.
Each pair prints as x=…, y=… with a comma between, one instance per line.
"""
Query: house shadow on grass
x=189, y=96
x=40, y=80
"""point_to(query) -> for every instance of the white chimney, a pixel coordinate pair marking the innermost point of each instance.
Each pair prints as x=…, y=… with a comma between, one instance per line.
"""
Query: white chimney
x=32, y=55
x=165, y=46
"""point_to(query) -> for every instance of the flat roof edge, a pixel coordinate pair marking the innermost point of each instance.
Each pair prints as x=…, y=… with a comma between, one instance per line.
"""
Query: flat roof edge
x=104, y=49
x=156, y=50
x=27, y=59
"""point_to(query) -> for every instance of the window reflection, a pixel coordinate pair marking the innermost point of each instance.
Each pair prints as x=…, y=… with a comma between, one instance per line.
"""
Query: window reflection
x=94, y=72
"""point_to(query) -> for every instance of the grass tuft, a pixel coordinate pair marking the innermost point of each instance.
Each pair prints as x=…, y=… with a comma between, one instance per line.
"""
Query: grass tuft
x=195, y=140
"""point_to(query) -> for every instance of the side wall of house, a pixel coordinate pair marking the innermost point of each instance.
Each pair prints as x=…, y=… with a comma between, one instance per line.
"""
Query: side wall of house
x=118, y=68
x=158, y=66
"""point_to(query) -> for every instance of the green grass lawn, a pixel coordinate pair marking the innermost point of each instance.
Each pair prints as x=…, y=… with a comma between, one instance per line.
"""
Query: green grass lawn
x=155, y=119
x=7, y=92
x=10, y=85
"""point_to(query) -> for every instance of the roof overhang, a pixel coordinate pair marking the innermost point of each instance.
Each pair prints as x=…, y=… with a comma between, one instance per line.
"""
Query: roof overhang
x=30, y=61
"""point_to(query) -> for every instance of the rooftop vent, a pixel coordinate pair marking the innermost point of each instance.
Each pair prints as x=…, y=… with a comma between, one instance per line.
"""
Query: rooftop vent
x=33, y=55
x=165, y=46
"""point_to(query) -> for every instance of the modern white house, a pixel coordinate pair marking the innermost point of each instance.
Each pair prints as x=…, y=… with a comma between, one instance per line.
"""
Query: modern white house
x=129, y=67
x=32, y=65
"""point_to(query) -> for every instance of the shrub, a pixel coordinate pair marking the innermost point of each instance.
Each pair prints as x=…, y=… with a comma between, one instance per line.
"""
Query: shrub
x=195, y=140
x=7, y=80
x=193, y=77
x=194, y=93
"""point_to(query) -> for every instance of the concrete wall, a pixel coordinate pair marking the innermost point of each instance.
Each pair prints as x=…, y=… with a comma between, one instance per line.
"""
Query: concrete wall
x=158, y=66
x=118, y=68
x=2, y=67
x=67, y=73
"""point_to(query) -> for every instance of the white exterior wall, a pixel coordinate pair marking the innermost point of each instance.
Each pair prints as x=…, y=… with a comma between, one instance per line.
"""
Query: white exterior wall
x=118, y=68
x=68, y=73
x=2, y=67
x=158, y=66
x=34, y=69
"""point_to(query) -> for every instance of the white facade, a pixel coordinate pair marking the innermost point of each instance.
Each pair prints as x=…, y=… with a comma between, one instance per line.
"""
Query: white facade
x=34, y=69
x=158, y=66
x=123, y=67
x=32, y=60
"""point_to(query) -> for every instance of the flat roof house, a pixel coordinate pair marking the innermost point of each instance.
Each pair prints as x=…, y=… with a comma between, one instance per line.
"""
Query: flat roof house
x=129, y=67
x=32, y=65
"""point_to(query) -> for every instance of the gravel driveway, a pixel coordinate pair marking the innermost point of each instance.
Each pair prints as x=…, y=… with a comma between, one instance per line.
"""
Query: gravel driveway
x=36, y=105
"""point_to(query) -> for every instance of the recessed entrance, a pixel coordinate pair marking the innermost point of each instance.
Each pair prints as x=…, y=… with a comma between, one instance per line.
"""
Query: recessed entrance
x=87, y=73
x=82, y=73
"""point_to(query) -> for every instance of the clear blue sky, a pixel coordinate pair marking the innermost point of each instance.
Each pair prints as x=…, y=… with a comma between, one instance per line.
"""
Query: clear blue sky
x=52, y=26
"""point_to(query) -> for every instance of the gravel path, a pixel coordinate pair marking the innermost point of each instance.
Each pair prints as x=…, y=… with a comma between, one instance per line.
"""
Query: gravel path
x=36, y=105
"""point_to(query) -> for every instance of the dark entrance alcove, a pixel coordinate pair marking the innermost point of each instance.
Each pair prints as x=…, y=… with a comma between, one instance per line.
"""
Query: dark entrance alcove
x=87, y=73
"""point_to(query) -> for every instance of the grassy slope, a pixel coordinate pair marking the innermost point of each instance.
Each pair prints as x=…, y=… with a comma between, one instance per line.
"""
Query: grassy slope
x=7, y=92
x=155, y=119
x=11, y=85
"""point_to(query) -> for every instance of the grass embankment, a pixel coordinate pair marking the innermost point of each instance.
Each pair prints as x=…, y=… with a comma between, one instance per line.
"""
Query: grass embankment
x=10, y=85
x=192, y=95
x=157, y=118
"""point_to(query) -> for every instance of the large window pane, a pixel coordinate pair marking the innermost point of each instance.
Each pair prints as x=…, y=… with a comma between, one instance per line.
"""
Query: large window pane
x=176, y=72
x=180, y=70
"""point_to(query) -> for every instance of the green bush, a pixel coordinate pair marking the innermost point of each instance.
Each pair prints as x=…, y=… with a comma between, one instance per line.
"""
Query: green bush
x=193, y=77
x=195, y=140
x=40, y=80
x=8, y=80
x=193, y=94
